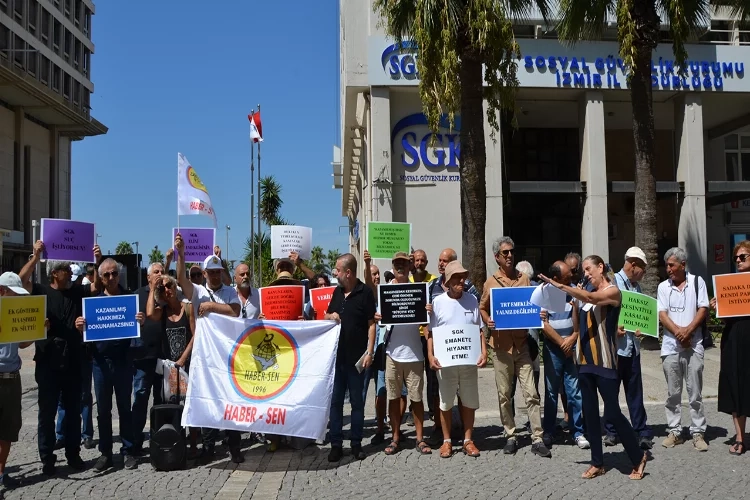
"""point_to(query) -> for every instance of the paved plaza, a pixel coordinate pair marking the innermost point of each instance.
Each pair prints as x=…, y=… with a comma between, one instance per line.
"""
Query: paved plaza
x=681, y=472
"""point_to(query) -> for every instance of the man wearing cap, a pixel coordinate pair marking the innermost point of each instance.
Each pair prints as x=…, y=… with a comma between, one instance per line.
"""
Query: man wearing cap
x=58, y=358
x=455, y=307
x=10, y=385
x=629, y=355
x=215, y=298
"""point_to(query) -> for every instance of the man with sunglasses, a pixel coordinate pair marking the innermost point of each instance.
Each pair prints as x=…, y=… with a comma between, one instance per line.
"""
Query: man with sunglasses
x=216, y=298
x=58, y=358
x=683, y=308
x=510, y=351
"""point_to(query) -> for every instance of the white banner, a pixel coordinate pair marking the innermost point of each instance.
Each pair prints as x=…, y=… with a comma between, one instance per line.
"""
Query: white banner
x=287, y=239
x=456, y=345
x=272, y=377
x=192, y=194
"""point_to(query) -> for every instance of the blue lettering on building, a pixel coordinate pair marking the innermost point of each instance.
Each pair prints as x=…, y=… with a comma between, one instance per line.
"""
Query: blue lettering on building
x=436, y=152
x=400, y=60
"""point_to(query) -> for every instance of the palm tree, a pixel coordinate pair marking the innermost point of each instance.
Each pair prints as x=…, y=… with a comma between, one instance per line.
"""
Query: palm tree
x=638, y=25
x=317, y=261
x=156, y=255
x=251, y=251
x=331, y=257
x=271, y=202
x=124, y=248
x=463, y=45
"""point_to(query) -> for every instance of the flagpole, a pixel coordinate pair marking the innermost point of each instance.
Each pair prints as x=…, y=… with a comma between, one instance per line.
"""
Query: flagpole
x=252, y=206
x=260, y=246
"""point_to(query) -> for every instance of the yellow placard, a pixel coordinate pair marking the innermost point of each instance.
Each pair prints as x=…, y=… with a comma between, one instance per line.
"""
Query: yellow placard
x=22, y=318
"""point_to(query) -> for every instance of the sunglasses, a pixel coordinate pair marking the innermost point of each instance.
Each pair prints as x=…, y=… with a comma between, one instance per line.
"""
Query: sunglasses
x=742, y=257
x=166, y=285
x=505, y=253
x=111, y=274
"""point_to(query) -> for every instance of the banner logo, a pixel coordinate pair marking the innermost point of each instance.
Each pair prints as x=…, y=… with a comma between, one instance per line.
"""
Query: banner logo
x=400, y=60
x=263, y=362
x=195, y=181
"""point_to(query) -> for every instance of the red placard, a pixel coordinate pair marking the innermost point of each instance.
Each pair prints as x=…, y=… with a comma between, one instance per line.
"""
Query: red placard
x=283, y=303
x=320, y=298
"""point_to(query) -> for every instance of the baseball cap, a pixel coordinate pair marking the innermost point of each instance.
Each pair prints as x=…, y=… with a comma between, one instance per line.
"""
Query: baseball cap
x=212, y=262
x=636, y=253
x=13, y=282
x=400, y=256
x=453, y=268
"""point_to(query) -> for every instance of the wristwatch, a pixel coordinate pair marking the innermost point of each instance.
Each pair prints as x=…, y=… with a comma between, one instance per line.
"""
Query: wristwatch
x=371, y=354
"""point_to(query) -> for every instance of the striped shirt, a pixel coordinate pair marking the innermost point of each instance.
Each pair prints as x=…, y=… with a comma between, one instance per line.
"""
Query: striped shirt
x=597, y=344
x=562, y=322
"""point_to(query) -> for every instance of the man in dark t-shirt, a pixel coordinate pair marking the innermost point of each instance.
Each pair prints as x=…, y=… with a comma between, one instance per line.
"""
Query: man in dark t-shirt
x=58, y=357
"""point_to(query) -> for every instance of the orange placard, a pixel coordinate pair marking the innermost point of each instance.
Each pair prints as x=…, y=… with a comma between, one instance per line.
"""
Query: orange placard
x=283, y=303
x=732, y=293
x=320, y=298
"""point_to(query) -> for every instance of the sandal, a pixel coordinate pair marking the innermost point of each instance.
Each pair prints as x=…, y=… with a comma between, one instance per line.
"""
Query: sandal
x=640, y=471
x=593, y=472
x=470, y=449
x=446, y=449
x=424, y=448
x=739, y=448
x=392, y=448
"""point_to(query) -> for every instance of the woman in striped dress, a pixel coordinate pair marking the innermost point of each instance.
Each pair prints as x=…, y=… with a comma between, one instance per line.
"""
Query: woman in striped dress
x=596, y=352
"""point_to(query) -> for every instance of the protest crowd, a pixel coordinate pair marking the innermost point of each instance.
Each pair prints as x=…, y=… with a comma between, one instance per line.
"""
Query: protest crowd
x=420, y=337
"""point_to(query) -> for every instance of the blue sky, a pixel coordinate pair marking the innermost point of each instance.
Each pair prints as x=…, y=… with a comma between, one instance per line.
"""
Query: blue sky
x=182, y=76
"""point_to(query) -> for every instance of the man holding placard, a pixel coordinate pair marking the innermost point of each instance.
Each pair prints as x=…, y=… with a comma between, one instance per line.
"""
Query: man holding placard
x=629, y=355
x=454, y=326
x=58, y=358
x=10, y=384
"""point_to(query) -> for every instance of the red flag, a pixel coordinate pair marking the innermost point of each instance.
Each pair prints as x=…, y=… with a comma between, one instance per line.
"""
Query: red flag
x=256, y=129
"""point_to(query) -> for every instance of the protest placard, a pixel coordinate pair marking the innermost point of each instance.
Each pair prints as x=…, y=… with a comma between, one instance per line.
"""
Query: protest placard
x=639, y=312
x=386, y=238
x=288, y=239
x=512, y=308
x=456, y=345
x=199, y=242
x=403, y=303
x=732, y=293
x=22, y=318
x=68, y=240
x=282, y=303
x=110, y=318
x=320, y=298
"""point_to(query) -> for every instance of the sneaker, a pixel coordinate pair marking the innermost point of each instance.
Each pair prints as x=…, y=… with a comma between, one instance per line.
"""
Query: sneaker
x=699, y=443
x=538, y=448
x=646, y=443
x=582, y=442
x=547, y=439
x=8, y=482
x=88, y=443
x=672, y=440
x=103, y=463
x=510, y=447
x=237, y=456
x=610, y=440
x=336, y=453
x=357, y=452
x=130, y=462
x=76, y=463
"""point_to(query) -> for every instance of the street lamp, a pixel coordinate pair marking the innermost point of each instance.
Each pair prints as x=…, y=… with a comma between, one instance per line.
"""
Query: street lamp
x=137, y=262
x=227, y=247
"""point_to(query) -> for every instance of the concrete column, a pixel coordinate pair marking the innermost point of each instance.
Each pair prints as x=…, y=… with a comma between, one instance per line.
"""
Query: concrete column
x=594, y=233
x=54, y=172
x=691, y=230
x=21, y=200
x=380, y=151
x=494, y=226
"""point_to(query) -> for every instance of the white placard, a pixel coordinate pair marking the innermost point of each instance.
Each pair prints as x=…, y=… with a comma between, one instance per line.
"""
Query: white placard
x=456, y=345
x=549, y=298
x=287, y=239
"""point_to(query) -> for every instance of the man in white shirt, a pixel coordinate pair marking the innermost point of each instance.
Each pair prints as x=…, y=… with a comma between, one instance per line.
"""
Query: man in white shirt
x=683, y=308
x=249, y=298
x=217, y=298
x=457, y=308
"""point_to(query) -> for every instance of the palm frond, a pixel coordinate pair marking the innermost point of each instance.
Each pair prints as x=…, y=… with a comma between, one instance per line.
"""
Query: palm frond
x=583, y=20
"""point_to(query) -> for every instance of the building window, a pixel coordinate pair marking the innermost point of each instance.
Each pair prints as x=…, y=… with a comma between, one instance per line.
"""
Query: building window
x=44, y=70
x=87, y=23
x=67, y=8
x=18, y=11
x=76, y=92
x=4, y=41
x=57, y=36
x=18, y=50
x=68, y=44
x=86, y=59
x=86, y=98
x=737, y=157
x=78, y=11
x=44, y=35
x=31, y=59
x=56, y=76
x=66, y=86
x=76, y=55
x=33, y=16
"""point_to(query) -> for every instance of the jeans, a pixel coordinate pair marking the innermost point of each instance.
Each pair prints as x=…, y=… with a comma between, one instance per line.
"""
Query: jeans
x=609, y=389
x=346, y=377
x=57, y=385
x=687, y=366
x=87, y=401
x=629, y=369
x=144, y=378
x=113, y=376
x=559, y=369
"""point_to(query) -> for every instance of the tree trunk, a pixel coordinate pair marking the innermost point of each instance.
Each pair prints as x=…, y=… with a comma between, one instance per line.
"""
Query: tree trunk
x=473, y=161
x=645, y=182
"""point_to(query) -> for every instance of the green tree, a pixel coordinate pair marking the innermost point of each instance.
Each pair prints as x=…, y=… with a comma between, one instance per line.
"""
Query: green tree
x=317, y=261
x=638, y=27
x=124, y=248
x=271, y=202
x=331, y=258
x=463, y=46
x=251, y=252
x=156, y=255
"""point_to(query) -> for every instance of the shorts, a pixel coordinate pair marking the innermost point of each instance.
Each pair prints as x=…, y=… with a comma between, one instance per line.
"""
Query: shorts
x=380, y=386
x=10, y=409
x=410, y=373
x=465, y=380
